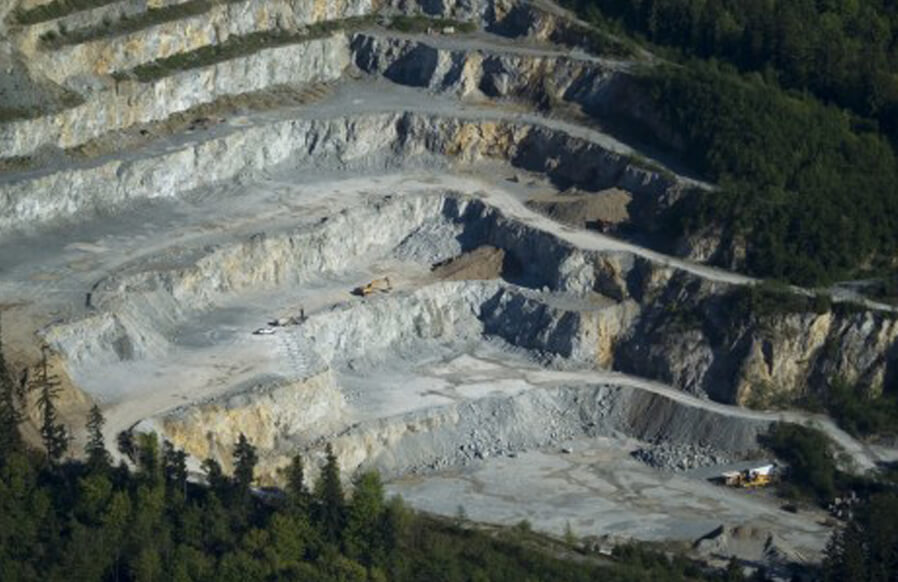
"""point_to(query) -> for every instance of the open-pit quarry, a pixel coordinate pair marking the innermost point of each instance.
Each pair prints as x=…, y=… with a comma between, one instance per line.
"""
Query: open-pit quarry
x=189, y=197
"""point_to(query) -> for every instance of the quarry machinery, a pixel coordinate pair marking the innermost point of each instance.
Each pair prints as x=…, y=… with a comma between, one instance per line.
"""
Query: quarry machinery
x=383, y=285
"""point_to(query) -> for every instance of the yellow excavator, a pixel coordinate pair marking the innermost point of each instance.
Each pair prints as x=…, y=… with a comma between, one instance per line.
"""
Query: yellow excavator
x=382, y=285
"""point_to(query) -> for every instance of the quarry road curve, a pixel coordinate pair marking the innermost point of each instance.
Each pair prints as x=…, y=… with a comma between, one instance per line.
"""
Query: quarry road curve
x=588, y=240
x=863, y=457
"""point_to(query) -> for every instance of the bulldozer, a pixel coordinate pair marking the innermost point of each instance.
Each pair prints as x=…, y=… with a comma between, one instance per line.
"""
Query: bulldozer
x=382, y=285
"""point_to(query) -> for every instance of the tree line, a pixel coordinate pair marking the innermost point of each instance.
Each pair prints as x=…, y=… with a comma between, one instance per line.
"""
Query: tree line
x=145, y=520
x=791, y=106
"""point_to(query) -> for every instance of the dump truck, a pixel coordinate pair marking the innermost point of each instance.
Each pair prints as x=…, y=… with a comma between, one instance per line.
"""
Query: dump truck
x=750, y=478
x=382, y=285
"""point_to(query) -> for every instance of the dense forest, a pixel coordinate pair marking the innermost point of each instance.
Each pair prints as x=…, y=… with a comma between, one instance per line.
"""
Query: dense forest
x=146, y=520
x=792, y=107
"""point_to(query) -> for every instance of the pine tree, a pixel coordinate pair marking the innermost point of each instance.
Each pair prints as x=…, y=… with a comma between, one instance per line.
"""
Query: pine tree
x=10, y=413
x=174, y=462
x=329, y=497
x=245, y=459
x=54, y=435
x=148, y=457
x=98, y=458
x=296, y=486
x=363, y=535
x=126, y=446
x=215, y=478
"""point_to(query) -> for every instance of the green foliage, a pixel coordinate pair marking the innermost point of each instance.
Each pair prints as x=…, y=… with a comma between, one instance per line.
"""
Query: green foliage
x=237, y=46
x=55, y=9
x=841, y=51
x=296, y=482
x=245, y=460
x=98, y=459
x=866, y=549
x=859, y=412
x=786, y=165
x=766, y=299
x=54, y=435
x=10, y=410
x=759, y=104
x=363, y=536
x=72, y=524
x=174, y=462
x=810, y=459
x=330, y=501
x=150, y=17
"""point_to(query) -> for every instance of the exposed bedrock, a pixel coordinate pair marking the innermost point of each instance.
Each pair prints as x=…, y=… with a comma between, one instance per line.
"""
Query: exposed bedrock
x=570, y=307
x=380, y=140
x=133, y=103
x=457, y=433
x=525, y=75
x=79, y=64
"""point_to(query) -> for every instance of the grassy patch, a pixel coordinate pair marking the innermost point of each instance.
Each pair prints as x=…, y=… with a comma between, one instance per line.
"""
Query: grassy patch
x=420, y=24
x=56, y=9
x=67, y=100
x=127, y=25
x=595, y=41
x=236, y=46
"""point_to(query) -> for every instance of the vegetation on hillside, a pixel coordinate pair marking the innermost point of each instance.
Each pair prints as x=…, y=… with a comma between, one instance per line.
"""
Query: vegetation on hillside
x=62, y=519
x=859, y=411
x=866, y=549
x=789, y=106
x=841, y=51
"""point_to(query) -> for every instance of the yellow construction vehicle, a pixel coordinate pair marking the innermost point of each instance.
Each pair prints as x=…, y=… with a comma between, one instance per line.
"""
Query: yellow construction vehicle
x=750, y=478
x=382, y=285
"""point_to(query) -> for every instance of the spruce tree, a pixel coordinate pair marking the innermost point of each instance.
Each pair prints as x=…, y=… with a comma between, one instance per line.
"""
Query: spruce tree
x=296, y=486
x=98, y=458
x=148, y=457
x=174, y=463
x=10, y=413
x=54, y=435
x=363, y=535
x=245, y=459
x=215, y=478
x=329, y=496
x=126, y=445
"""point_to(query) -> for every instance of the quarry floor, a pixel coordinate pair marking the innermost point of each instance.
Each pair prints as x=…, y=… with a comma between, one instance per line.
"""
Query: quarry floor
x=598, y=490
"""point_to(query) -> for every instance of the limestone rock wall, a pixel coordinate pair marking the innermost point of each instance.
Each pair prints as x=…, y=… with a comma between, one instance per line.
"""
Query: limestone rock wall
x=456, y=434
x=379, y=139
x=132, y=102
x=76, y=63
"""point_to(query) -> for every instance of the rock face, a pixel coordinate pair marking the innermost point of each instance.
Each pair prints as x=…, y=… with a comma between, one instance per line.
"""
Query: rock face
x=133, y=103
x=385, y=140
x=485, y=73
x=104, y=52
x=272, y=413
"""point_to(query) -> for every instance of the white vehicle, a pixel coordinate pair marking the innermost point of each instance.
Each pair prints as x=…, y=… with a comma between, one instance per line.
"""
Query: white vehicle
x=264, y=331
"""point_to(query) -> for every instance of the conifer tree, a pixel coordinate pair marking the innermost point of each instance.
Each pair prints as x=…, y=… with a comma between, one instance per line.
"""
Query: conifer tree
x=215, y=478
x=54, y=435
x=126, y=446
x=10, y=413
x=363, y=535
x=98, y=458
x=329, y=497
x=245, y=459
x=174, y=463
x=148, y=457
x=296, y=486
